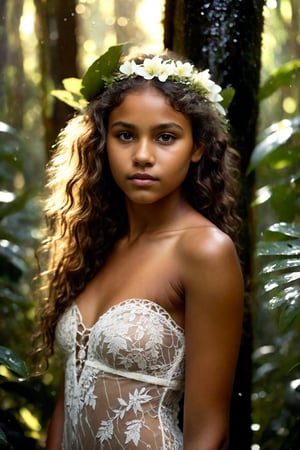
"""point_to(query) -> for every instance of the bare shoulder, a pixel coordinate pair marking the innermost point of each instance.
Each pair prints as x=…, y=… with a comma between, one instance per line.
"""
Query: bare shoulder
x=205, y=244
x=209, y=264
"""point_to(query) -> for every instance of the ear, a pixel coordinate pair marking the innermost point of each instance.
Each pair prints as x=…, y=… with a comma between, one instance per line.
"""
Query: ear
x=197, y=153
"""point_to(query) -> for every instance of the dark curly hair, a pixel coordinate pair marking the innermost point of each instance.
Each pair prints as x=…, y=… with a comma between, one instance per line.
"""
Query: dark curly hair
x=85, y=210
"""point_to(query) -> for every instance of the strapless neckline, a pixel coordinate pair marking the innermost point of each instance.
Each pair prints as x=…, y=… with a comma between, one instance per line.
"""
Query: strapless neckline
x=155, y=307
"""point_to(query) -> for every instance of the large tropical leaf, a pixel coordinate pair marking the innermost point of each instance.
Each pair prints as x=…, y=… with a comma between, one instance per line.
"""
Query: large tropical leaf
x=290, y=314
x=284, y=296
x=12, y=362
x=12, y=260
x=17, y=204
x=280, y=264
x=286, y=229
x=10, y=144
x=278, y=281
x=284, y=76
x=282, y=274
x=274, y=137
x=283, y=248
x=267, y=192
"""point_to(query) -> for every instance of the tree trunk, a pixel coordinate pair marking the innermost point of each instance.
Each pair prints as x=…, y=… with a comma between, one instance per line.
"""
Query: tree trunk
x=12, y=85
x=225, y=36
x=3, y=53
x=15, y=60
x=56, y=28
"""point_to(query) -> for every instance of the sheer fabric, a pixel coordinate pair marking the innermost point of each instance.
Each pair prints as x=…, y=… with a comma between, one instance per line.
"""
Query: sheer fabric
x=124, y=378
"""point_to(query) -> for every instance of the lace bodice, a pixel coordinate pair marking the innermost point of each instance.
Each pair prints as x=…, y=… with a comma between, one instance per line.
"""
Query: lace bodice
x=124, y=378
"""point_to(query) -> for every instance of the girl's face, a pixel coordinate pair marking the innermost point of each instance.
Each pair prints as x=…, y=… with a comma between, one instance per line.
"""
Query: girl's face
x=150, y=147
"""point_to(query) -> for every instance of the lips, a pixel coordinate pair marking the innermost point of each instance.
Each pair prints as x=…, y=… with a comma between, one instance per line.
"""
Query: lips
x=142, y=179
x=141, y=176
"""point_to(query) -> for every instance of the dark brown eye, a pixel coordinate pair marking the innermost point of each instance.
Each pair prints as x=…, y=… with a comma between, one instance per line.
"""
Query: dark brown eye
x=125, y=136
x=166, y=138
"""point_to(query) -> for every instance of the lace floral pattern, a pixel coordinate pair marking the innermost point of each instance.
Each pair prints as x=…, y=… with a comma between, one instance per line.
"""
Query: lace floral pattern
x=124, y=378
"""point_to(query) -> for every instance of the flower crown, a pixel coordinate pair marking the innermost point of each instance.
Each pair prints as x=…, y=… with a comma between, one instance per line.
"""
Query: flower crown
x=107, y=70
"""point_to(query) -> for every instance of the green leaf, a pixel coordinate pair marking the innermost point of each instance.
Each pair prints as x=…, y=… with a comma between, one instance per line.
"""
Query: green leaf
x=264, y=193
x=285, y=296
x=10, y=145
x=227, y=95
x=264, y=371
x=70, y=98
x=287, y=229
x=280, y=280
x=72, y=85
x=94, y=78
x=284, y=76
x=8, y=235
x=284, y=201
x=12, y=362
x=284, y=248
x=289, y=315
x=17, y=204
x=275, y=136
x=280, y=264
x=5, y=128
x=8, y=295
x=11, y=258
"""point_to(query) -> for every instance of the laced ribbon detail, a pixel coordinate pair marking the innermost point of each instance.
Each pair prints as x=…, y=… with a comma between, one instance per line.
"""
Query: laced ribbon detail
x=82, y=340
x=124, y=378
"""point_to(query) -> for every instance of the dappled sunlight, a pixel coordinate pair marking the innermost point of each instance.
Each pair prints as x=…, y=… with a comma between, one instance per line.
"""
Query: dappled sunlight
x=30, y=420
x=149, y=15
x=100, y=26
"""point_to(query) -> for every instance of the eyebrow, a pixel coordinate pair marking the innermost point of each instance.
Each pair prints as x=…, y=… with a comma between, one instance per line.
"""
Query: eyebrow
x=161, y=126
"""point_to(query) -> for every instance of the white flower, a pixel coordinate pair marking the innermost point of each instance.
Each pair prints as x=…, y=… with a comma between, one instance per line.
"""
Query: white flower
x=150, y=69
x=166, y=69
x=220, y=108
x=213, y=93
x=202, y=79
x=128, y=68
x=183, y=70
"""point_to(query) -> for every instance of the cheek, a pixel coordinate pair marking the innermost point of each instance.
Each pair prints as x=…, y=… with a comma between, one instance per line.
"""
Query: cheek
x=113, y=156
x=116, y=165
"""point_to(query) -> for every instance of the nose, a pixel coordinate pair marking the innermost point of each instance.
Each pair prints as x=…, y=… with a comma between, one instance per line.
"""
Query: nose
x=143, y=153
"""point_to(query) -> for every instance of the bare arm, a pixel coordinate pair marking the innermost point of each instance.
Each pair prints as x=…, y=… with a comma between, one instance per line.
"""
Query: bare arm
x=55, y=430
x=214, y=309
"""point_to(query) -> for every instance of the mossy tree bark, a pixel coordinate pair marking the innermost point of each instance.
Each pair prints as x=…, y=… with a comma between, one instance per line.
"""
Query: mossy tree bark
x=225, y=36
x=3, y=53
x=12, y=86
x=56, y=31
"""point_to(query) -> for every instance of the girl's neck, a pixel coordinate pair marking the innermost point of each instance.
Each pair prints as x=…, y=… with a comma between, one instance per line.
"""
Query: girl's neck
x=149, y=219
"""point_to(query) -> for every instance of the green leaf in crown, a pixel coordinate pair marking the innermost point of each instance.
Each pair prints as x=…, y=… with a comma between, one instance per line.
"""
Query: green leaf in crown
x=78, y=91
x=93, y=81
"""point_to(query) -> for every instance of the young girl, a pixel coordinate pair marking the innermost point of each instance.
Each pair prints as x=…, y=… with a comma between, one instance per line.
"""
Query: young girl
x=145, y=286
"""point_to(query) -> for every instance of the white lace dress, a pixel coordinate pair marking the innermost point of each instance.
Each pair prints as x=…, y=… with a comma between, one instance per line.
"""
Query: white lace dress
x=124, y=378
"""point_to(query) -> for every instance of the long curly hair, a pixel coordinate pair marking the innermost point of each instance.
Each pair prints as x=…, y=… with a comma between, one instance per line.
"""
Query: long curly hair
x=85, y=211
